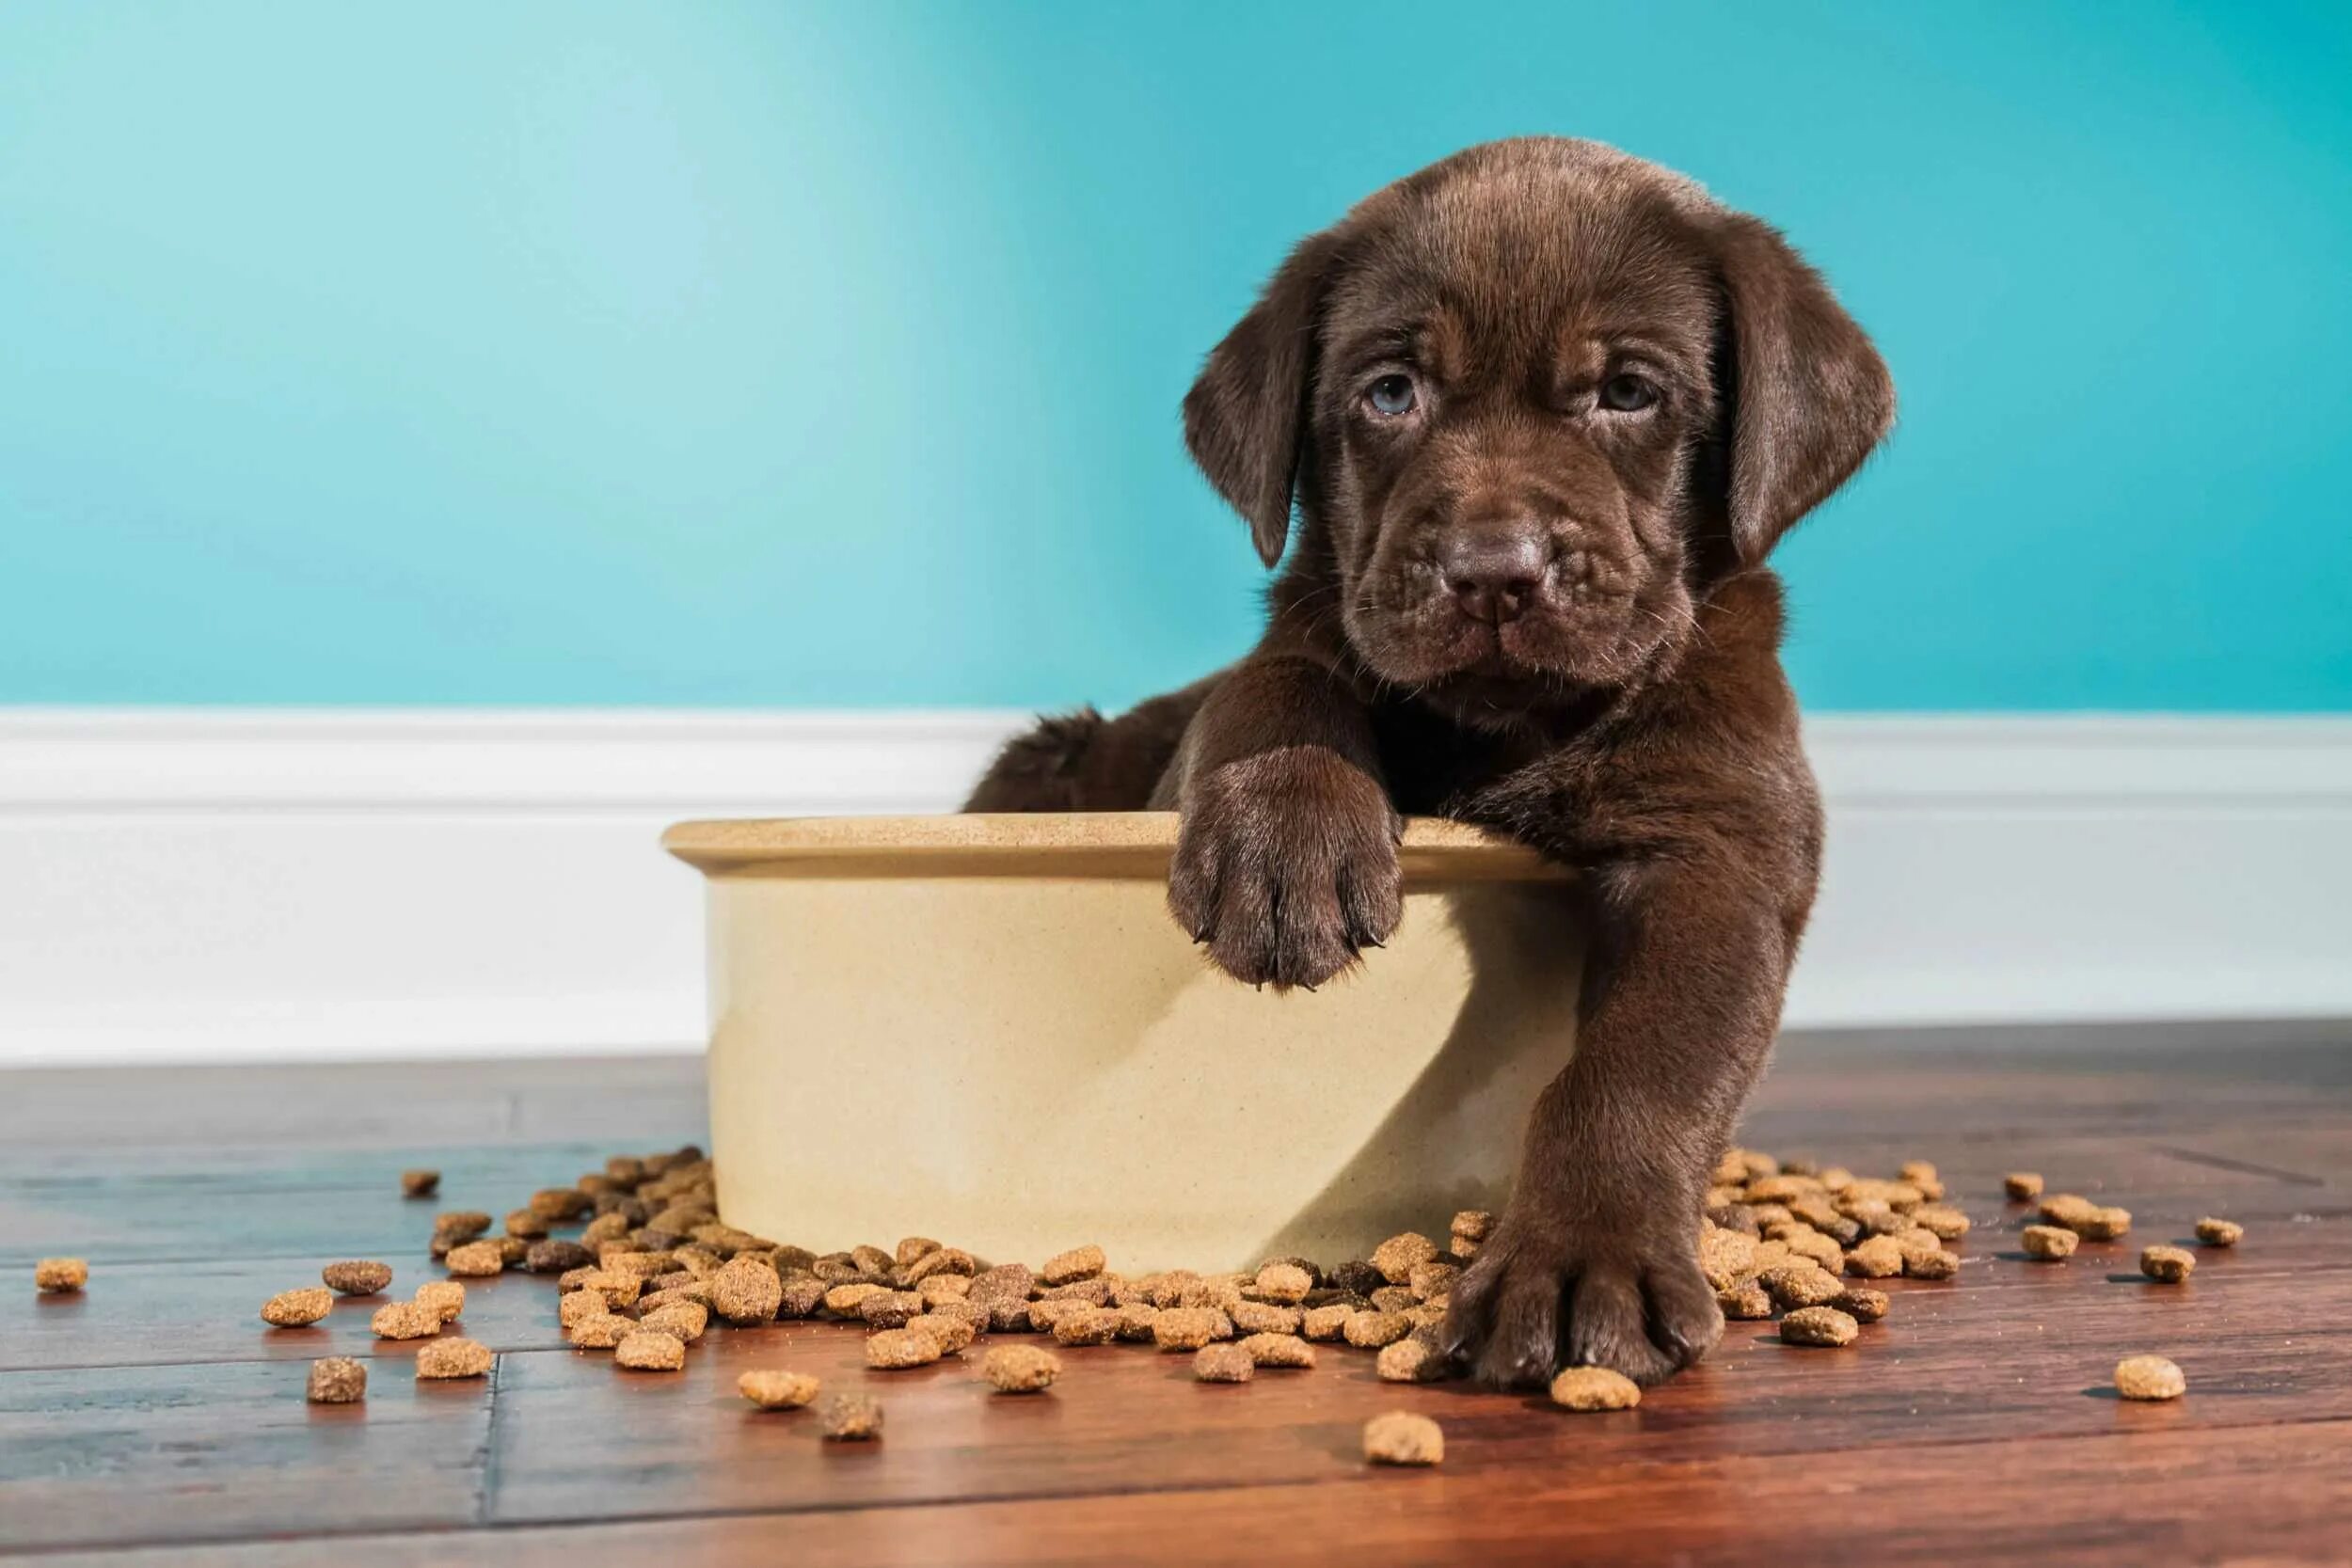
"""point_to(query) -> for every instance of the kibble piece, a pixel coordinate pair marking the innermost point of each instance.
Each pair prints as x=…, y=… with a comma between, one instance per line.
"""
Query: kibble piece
x=1800, y=1284
x=356, y=1277
x=1082, y=1324
x=802, y=1295
x=776, y=1390
x=556, y=1257
x=896, y=1349
x=2049, y=1243
x=1259, y=1317
x=1397, y=1257
x=843, y=1300
x=2104, y=1225
x=1222, y=1364
x=2167, y=1265
x=2023, y=1186
x=2066, y=1208
x=1277, y=1350
x=1394, y=1298
x=1284, y=1284
x=561, y=1203
x=890, y=1309
x=648, y=1349
x=1189, y=1327
x=420, y=1183
x=476, y=1260
x=1746, y=1302
x=1020, y=1369
x=1595, y=1388
x=1078, y=1264
x=1949, y=1224
x=1468, y=1232
x=955, y=1333
x=1879, y=1258
x=337, y=1379
x=1137, y=1322
x=459, y=1225
x=1357, y=1276
x=444, y=1298
x=1724, y=1256
x=2214, y=1232
x=1325, y=1322
x=1410, y=1360
x=298, y=1308
x=1373, y=1330
x=1400, y=1437
x=683, y=1321
x=1818, y=1326
x=1929, y=1262
x=404, y=1320
x=2149, y=1377
x=58, y=1275
x=746, y=1292
x=1432, y=1281
x=453, y=1359
x=1862, y=1304
x=849, y=1418
x=599, y=1331
x=529, y=1224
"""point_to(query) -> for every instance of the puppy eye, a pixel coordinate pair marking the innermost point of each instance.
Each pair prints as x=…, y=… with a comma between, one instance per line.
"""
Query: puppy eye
x=1391, y=395
x=1627, y=394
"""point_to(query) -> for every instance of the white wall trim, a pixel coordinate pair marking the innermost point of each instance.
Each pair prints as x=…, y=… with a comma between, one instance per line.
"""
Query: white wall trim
x=286, y=884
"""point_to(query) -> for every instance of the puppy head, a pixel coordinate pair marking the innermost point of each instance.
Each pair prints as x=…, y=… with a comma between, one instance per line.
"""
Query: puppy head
x=1532, y=400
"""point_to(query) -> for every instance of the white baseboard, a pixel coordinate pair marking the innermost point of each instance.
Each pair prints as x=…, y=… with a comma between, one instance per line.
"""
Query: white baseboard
x=239, y=885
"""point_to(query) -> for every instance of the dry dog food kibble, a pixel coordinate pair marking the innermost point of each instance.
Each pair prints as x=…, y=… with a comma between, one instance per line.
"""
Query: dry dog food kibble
x=682, y=1321
x=2023, y=1186
x=1189, y=1327
x=1746, y=1301
x=476, y=1260
x=1277, y=1350
x=1409, y=1360
x=1397, y=1257
x=404, y=1320
x=356, y=1277
x=1818, y=1326
x=776, y=1390
x=650, y=1350
x=1082, y=1324
x=1284, y=1284
x=1325, y=1322
x=444, y=1298
x=600, y=1331
x=556, y=1257
x=337, y=1379
x=1400, y=1437
x=2149, y=1377
x=1879, y=1258
x=298, y=1308
x=748, y=1292
x=1949, y=1224
x=1078, y=1264
x=420, y=1183
x=1800, y=1284
x=849, y=1418
x=1222, y=1364
x=58, y=1275
x=2104, y=1225
x=2215, y=1232
x=1929, y=1262
x=453, y=1359
x=2167, y=1265
x=1020, y=1369
x=2049, y=1243
x=1861, y=1303
x=1259, y=1317
x=896, y=1349
x=954, y=1332
x=1595, y=1388
x=1371, y=1330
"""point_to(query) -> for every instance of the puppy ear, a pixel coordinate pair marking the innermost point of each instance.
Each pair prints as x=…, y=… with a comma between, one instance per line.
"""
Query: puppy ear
x=1245, y=415
x=1806, y=395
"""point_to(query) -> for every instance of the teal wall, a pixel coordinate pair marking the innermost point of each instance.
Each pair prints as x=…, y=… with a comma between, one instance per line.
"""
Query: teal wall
x=566, y=352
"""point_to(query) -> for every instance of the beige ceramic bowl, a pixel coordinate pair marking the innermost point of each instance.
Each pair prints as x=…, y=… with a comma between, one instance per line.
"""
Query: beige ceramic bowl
x=988, y=1030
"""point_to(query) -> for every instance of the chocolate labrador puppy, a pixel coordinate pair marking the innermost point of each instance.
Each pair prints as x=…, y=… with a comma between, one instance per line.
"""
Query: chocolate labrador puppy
x=1540, y=412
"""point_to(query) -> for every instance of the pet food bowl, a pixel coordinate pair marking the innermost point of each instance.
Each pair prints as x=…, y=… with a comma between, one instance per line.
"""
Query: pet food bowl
x=988, y=1029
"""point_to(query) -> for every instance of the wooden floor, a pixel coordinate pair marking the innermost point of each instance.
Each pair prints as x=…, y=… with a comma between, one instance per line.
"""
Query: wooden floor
x=154, y=1418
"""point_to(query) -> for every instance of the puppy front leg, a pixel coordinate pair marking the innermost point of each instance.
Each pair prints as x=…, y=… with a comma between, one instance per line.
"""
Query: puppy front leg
x=1594, y=1262
x=1285, y=862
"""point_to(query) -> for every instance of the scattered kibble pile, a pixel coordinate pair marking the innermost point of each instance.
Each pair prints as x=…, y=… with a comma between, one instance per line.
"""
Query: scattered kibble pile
x=654, y=1267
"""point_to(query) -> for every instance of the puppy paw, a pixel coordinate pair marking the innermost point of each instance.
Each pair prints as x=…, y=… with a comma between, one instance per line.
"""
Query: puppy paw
x=1544, y=1294
x=1286, y=867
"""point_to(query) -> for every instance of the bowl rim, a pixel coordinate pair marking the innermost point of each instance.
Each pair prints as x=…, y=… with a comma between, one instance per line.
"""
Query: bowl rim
x=1048, y=844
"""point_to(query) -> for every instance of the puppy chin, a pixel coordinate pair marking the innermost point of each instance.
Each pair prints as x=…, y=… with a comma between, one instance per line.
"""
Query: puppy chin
x=1456, y=661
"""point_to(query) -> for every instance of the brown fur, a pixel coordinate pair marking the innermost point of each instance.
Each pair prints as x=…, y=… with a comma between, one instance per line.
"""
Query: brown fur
x=1532, y=600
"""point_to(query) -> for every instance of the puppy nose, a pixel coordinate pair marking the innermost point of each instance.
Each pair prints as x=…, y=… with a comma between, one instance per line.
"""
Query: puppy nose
x=1493, y=575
